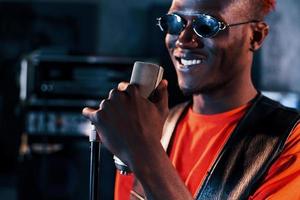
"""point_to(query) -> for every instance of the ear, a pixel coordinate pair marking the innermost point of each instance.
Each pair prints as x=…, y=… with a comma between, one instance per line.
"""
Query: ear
x=260, y=31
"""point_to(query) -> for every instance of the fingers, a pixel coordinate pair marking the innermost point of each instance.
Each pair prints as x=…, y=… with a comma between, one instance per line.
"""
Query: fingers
x=116, y=95
x=162, y=96
x=159, y=98
x=101, y=105
x=122, y=86
x=89, y=113
x=132, y=89
x=129, y=89
x=95, y=116
x=113, y=93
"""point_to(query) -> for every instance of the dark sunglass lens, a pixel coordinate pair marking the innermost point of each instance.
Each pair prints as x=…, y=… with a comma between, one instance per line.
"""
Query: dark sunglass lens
x=172, y=24
x=206, y=26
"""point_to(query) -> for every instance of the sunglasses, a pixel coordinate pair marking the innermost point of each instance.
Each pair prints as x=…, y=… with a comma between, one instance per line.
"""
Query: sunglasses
x=204, y=25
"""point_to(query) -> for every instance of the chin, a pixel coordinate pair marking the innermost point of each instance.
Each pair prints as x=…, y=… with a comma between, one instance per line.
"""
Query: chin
x=189, y=91
x=189, y=86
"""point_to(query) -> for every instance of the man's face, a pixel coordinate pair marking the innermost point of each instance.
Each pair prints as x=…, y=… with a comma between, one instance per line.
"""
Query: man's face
x=206, y=65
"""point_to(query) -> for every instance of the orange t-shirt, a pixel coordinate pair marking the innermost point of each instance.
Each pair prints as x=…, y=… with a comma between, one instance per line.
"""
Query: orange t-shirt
x=197, y=142
x=199, y=139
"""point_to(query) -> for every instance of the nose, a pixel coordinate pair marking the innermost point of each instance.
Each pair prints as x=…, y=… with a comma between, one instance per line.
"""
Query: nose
x=189, y=39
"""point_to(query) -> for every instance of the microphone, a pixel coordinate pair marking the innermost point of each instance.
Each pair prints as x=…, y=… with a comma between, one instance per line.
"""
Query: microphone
x=147, y=76
x=94, y=164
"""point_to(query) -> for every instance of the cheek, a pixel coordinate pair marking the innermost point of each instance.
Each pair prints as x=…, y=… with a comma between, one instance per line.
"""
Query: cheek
x=170, y=41
x=231, y=62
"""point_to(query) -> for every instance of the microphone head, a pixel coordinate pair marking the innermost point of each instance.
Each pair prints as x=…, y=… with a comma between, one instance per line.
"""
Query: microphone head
x=147, y=76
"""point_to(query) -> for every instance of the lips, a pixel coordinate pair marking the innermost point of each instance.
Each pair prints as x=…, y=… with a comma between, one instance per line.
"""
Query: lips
x=186, y=62
x=188, y=57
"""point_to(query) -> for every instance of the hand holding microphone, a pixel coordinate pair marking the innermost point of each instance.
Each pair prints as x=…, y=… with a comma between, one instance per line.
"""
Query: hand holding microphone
x=127, y=118
x=147, y=76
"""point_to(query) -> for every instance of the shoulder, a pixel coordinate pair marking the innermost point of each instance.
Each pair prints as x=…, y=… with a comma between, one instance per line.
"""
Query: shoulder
x=292, y=144
x=282, y=178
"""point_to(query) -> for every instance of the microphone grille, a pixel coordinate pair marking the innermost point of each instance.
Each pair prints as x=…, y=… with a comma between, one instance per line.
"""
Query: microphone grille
x=147, y=76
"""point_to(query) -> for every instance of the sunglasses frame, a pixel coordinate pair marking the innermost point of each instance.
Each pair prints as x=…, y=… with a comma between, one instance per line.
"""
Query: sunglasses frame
x=221, y=25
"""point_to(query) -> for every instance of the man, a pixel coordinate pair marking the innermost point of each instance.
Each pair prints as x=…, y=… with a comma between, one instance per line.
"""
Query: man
x=229, y=142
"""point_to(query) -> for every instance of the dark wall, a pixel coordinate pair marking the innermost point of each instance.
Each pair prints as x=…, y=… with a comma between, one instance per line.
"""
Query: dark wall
x=27, y=26
x=55, y=26
x=280, y=53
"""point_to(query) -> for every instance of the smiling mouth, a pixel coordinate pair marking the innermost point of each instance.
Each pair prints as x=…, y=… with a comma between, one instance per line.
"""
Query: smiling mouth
x=185, y=63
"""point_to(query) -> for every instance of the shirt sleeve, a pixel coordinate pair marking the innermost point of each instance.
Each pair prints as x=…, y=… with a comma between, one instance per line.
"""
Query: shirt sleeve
x=283, y=178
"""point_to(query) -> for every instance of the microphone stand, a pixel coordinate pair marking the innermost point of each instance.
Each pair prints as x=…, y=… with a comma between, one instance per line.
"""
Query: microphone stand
x=94, y=165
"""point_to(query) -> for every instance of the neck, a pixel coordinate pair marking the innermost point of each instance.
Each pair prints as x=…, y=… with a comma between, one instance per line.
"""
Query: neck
x=230, y=97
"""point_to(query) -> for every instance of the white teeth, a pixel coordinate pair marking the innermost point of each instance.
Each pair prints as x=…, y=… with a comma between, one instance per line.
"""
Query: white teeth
x=191, y=62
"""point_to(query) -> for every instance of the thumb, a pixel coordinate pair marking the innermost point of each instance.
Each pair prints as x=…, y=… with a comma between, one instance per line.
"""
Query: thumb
x=89, y=113
x=161, y=96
